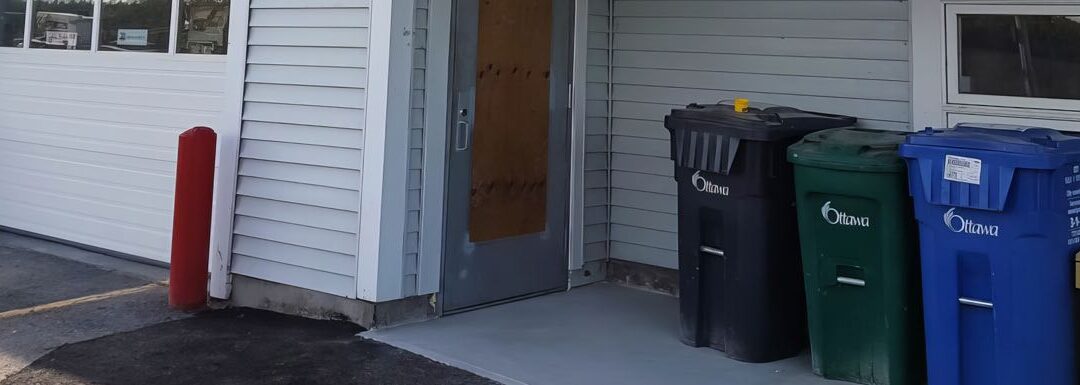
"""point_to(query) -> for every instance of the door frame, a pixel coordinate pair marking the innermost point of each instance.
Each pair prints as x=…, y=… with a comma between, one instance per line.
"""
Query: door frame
x=930, y=103
x=437, y=124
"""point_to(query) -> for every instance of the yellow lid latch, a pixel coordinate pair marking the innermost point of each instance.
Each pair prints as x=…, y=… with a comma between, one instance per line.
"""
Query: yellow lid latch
x=742, y=105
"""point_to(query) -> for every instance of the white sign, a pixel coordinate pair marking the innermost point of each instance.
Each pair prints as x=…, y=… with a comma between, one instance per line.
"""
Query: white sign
x=137, y=37
x=963, y=170
x=958, y=224
x=707, y=186
x=836, y=217
x=67, y=39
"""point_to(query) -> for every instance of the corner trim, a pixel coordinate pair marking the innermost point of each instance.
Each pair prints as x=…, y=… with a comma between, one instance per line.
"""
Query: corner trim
x=228, y=153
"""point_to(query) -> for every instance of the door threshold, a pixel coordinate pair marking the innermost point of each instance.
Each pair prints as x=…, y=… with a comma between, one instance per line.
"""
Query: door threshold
x=501, y=301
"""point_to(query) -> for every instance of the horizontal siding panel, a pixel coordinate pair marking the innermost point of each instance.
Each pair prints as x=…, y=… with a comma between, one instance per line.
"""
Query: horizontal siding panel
x=42, y=163
x=310, y=17
x=760, y=83
x=121, y=96
x=764, y=64
x=643, y=182
x=308, y=56
x=45, y=60
x=116, y=77
x=318, y=217
x=655, y=110
x=758, y=9
x=339, y=264
x=666, y=240
x=596, y=251
x=641, y=163
x=306, y=95
x=340, y=285
x=800, y=47
x=332, y=241
x=295, y=133
x=106, y=192
x=645, y=254
x=896, y=30
x=101, y=111
x=98, y=130
x=302, y=153
x=306, y=194
x=133, y=151
x=651, y=220
x=304, y=4
x=63, y=224
x=301, y=173
x=117, y=214
x=309, y=37
x=644, y=200
x=45, y=152
x=307, y=75
x=304, y=115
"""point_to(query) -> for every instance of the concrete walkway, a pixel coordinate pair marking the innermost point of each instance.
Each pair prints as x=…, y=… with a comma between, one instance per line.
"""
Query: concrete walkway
x=600, y=334
x=52, y=295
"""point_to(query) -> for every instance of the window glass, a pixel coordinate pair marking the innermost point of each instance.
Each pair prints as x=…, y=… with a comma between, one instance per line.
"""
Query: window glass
x=12, y=22
x=204, y=27
x=1020, y=55
x=63, y=24
x=135, y=25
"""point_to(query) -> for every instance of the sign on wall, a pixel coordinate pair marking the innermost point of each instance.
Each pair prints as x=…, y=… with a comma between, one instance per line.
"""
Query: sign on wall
x=138, y=37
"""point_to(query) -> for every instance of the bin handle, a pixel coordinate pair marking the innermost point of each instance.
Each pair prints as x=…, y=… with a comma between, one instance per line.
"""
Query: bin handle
x=850, y=281
x=976, y=303
x=711, y=250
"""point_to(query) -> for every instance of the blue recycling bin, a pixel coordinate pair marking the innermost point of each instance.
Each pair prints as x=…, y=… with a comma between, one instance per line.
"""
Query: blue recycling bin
x=999, y=222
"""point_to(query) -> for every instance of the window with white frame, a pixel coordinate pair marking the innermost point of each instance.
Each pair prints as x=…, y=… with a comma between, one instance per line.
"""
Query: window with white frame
x=1023, y=56
x=162, y=26
x=12, y=22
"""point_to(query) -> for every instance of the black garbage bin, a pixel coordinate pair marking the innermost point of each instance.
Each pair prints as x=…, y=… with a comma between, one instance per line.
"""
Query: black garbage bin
x=740, y=273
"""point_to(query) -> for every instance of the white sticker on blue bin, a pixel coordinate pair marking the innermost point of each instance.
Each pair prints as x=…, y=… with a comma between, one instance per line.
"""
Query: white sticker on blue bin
x=963, y=170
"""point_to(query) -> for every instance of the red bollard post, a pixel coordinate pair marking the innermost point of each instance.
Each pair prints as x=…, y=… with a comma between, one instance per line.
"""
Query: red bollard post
x=191, y=219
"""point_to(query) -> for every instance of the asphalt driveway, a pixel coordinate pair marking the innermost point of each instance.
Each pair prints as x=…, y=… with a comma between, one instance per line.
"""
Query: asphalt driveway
x=69, y=316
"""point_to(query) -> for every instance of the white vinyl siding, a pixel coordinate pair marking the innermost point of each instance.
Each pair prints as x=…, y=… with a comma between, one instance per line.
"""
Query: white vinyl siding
x=847, y=57
x=596, y=132
x=88, y=142
x=301, y=149
x=417, y=101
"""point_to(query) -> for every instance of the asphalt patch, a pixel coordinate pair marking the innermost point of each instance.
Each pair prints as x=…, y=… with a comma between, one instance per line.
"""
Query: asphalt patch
x=29, y=278
x=238, y=347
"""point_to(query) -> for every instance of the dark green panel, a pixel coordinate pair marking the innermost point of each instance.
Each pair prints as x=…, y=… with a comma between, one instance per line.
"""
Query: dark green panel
x=860, y=258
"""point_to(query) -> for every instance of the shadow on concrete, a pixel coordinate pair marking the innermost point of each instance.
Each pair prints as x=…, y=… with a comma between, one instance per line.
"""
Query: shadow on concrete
x=238, y=346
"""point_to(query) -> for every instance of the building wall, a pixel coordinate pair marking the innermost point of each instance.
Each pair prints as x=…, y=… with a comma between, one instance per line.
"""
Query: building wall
x=302, y=139
x=848, y=57
x=596, y=132
x=88, y=142
x=417, y=102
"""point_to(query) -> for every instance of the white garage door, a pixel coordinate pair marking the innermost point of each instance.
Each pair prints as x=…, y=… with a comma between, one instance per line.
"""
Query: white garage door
x=88, y=142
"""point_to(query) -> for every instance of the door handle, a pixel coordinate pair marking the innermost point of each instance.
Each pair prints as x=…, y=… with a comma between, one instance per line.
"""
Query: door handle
x=850, y=281
x=976, y=303
x=462, y=135
x=712, y=250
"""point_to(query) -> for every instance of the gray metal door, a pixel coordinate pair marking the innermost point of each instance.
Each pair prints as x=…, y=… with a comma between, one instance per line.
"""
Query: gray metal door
x=508, y=173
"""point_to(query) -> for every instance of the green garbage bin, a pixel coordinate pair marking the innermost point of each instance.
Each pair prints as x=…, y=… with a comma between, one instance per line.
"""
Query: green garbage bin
x=859, y=253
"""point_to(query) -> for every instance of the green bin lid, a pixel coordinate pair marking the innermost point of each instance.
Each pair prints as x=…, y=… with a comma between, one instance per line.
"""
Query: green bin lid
x=856, y=149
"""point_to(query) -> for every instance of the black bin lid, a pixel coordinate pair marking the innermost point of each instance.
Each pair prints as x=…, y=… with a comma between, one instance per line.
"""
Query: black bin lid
x=758, y=124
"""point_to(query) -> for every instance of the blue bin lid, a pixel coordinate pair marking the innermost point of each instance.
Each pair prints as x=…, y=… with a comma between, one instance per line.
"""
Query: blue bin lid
x=998, y=137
